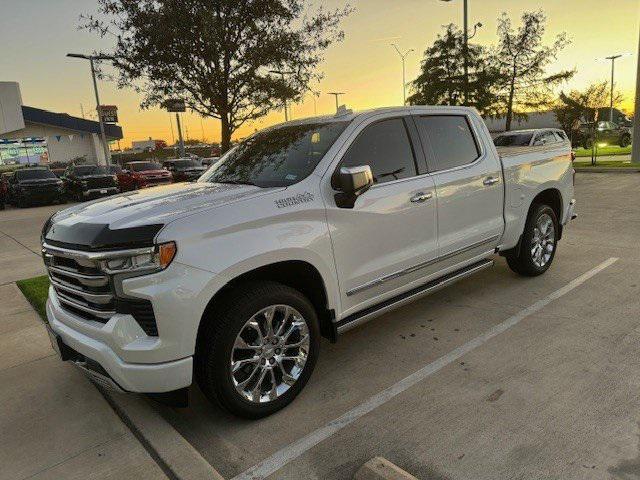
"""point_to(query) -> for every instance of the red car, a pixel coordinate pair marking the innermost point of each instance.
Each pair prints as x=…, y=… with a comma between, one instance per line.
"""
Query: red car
x=143, y=174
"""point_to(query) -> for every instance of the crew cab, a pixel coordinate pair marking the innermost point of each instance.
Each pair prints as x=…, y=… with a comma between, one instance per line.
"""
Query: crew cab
x=141, y=174
x=306, y=229
x=184, y=169
x=85, y=182
x=30, y=186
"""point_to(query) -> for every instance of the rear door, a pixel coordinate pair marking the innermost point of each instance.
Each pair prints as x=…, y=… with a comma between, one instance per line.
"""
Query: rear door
x=469, y=186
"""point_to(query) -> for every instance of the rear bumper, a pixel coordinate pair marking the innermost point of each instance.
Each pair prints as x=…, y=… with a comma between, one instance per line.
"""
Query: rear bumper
x=104, y=366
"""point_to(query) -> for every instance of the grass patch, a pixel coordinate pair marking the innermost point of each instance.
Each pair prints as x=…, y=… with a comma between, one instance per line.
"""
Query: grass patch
x=608, y=150
x=36, y=291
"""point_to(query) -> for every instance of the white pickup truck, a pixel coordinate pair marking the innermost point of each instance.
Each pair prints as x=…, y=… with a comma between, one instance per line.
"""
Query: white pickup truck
x=303, y=230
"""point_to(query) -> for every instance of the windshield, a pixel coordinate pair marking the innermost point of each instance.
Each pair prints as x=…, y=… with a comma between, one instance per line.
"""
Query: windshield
x=276, y=157
x=34, y=174
x=187, y=163
x=515, y=140
x=85, y=170
x=141, y=167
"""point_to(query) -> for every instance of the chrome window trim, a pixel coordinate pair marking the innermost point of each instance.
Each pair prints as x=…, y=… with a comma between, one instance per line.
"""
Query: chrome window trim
x=419, y=266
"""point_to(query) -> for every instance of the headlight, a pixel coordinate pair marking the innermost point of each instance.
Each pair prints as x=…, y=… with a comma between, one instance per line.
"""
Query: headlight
x=142, y=260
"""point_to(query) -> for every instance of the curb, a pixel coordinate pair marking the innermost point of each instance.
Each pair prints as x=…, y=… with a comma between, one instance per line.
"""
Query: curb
x=379, y=468
x=173, y=454
x=606, y=170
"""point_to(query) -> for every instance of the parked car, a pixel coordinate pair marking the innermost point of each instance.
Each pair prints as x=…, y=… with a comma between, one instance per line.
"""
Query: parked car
x=208, y=161
x=30, y=186
x=141, y=174
x=306, y=229
x=606, y=132
x=530, y=138
x=58, y=172
x=4, y=188
x=184, y=169
x=83, y=182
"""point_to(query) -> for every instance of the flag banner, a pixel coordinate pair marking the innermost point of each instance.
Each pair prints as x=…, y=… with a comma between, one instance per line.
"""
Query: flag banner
x=71, y=138
x=58, y=137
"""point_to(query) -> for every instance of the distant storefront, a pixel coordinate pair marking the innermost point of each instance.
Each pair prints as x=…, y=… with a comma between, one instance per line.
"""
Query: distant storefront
x=30, y=135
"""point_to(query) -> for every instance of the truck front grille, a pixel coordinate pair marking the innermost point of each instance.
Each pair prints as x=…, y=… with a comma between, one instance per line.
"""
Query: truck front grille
x=84, y=290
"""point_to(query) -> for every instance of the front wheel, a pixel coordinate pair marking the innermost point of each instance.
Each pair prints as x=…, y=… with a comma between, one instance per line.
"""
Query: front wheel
x=625, y=141
x=257, y=350
x=539, y=243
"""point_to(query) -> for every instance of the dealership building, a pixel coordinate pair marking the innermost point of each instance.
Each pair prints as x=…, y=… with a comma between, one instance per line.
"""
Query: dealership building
x=31, y=135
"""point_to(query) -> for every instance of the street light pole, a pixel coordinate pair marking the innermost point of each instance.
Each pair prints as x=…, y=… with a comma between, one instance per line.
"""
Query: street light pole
x=613, y=59
x=92, y=58
x=635, y=149
x=336, y=94
x=404, y=81
x=282, y=74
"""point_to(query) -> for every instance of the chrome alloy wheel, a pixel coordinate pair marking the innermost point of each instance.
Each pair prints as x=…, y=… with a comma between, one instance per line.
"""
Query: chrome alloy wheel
x=543, y=241
x=269, y=353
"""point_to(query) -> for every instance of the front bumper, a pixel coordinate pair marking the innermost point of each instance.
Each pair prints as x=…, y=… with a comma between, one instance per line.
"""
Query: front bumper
x=131, y=377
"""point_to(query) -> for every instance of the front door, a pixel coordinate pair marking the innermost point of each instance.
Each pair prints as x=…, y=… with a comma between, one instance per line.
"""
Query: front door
x=380, y=242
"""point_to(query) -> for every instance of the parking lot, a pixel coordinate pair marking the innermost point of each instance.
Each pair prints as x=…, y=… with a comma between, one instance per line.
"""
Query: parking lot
x=553, y=392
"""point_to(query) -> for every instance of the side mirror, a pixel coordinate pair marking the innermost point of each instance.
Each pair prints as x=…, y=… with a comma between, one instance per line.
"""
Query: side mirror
x=351, y=182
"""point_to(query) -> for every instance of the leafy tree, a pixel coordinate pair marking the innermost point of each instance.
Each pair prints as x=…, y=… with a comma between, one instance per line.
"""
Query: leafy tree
x=217, y=54
x=441, y=78
x=522, y=60
x=581, y=106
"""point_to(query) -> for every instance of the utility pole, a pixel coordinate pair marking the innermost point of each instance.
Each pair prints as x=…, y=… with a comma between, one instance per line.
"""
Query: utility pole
x=613, y=59
x=92, y=59
x=282, y=73
x=635, y=149
x=404, y=81
x=336, y=94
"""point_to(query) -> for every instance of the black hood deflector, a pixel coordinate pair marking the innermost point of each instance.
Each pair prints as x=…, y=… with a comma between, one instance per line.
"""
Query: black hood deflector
x=97, y=237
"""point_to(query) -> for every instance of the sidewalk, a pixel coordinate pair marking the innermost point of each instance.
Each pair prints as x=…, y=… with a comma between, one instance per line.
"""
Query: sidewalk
x=54, y=423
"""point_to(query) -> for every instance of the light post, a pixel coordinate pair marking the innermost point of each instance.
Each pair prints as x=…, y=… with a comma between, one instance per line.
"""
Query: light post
x=404, y=82
x=613, y=59
x=465, y=48
x=635, y=149
x=336, y=94
x=92, y=58
x=282, y=74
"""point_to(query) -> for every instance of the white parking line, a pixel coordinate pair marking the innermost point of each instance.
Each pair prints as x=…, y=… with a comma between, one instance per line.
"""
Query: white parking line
x=279, y=459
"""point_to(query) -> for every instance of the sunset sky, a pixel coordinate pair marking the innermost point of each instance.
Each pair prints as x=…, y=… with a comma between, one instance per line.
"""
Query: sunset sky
x=35, y=35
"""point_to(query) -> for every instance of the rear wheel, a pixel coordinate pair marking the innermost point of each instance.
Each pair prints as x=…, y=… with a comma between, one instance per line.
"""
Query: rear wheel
x=257, y=349
x=539, y=243
x=625, y=141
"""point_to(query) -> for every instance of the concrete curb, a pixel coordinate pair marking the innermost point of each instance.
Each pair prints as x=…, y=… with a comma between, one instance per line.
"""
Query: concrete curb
x=606, y=170
x=175, y=456
x=379, y=468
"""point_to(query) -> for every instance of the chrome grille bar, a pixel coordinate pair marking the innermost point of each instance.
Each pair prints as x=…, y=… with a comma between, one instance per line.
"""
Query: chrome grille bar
x=104, y=314
x=88, y=280
x=100, y=298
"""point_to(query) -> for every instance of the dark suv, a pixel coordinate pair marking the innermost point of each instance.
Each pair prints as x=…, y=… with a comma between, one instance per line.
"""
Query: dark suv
x=185, y=169
x=605, y=132
x=83, y=182
x=29, y=186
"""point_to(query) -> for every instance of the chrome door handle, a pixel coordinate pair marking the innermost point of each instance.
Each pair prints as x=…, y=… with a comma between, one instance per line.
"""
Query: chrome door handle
x=421, y=197
x=490, y=181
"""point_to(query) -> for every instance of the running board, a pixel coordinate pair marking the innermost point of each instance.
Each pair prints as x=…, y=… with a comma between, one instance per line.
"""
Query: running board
x=370, y=313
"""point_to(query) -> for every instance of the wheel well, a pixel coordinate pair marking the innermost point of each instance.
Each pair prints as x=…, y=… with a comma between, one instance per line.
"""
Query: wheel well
x=553, y=198
x=296, y=274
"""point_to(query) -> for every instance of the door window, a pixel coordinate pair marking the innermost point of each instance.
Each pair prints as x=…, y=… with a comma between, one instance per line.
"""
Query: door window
x=451, y=140
x=386, y=148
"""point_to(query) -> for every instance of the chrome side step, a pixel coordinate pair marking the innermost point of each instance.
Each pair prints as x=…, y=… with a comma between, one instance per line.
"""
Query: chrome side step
x=370, y=313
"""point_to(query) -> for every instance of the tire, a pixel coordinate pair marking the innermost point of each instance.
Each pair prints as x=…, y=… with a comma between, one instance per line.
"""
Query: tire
x=529, y=262
x=625, y=141
x=226, y=331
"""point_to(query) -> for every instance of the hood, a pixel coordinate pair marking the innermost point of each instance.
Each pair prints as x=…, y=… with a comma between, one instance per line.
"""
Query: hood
x=131, y=220
x=95, y=175
x=145, y=173
x=40, y=182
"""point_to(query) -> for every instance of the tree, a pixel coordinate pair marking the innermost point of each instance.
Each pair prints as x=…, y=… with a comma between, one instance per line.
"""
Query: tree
x=441, y=78
x=581, y=106
x=217, y=54
x=522, y=60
